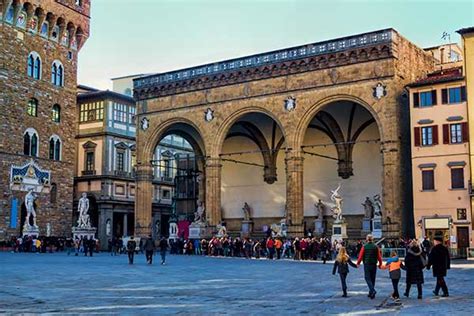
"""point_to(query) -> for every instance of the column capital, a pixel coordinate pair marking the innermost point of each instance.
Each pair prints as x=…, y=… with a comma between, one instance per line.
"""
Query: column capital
x=213, y=162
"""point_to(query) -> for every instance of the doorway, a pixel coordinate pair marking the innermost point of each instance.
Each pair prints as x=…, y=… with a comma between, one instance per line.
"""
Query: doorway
x=463, y=241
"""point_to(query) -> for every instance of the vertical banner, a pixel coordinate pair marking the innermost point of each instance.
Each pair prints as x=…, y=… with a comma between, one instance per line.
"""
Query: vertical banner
x=14, y=213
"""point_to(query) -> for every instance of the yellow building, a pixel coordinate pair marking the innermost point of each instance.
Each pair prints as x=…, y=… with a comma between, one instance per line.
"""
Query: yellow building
x=440, y=157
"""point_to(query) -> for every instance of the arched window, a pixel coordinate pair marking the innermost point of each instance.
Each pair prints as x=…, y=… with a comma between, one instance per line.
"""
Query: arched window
x=56, y=114
x=30, y=142
x=55, y=148
x=32, y=109
x=57, y=74
x=34, y=65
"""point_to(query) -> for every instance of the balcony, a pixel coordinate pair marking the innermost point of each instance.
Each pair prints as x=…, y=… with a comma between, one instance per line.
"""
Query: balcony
x=88, y=172
x=121, y=173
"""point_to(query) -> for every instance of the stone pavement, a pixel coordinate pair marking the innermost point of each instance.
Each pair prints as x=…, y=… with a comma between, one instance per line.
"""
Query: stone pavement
x=58, y=284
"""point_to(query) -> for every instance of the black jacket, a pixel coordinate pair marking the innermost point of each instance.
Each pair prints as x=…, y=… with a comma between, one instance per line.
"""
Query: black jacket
x=149, y=244
x=414, y=266
x=439, y=259
x=342, y=268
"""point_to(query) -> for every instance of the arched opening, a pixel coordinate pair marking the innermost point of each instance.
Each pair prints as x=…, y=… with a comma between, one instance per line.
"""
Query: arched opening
x=178, y=178
x=253, y=172
x=341, y=146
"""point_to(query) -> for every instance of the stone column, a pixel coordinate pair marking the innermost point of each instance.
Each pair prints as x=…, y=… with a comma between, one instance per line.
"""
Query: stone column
x=294, y=192
x=392, y=183
x=143, y=200
x=125, y=224
x=213, y=190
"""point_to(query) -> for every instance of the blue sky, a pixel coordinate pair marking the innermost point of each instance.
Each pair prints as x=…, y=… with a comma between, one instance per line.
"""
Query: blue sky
x=147, y=36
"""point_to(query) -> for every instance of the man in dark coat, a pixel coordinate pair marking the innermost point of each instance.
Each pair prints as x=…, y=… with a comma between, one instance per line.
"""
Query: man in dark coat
x=370, y=254
x=131, y=246
x=439, y=259
x=414, y=266
x=163, y=248
x=149, y=249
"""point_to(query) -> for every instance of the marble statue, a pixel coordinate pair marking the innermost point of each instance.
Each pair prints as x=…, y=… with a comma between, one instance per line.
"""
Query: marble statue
x=246, y=210
x=30, y=198
x=337, y=199
x=377, y=205
x=83, y=208
x=199, y=215
x=48, y=230
x=368, y=208
x=320, y=208
x=221, y=230
x=108, y=229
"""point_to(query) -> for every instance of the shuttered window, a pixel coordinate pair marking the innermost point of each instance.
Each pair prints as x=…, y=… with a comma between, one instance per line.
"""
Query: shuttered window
x=427, y=178
x=457, y=178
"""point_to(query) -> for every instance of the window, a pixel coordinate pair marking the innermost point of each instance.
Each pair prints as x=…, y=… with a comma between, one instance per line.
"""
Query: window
x=57, y=74
x=91, y=112
x=427, y=136
x=462, y=214
x=166, y=194
x=427, y=178
x=56, y=113
x=90, y=161
x=423, y=99
x=120, y=160
x=131, y=115
x=55, y=148
x=120, y=112
x=30, y=142
x=32, y=109
x=453, y=95
x=457, y=178
x=167, y=168
x=34, y=65
x=456, y=133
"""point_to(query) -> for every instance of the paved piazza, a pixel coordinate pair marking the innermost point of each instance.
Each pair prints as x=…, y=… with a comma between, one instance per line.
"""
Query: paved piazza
x=58, y=284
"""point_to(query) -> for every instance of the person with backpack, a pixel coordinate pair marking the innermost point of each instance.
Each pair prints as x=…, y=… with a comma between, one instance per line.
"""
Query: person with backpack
x=149, y=249
x=342, y=266
x=370, y=254
x=414, y=264
x=440, y=261
x=131, y=246
x=394, y=265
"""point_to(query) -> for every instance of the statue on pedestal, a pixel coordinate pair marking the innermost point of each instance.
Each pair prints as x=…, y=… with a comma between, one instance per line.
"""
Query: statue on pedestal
x=337, y=199
x=221, y=230
x=30, y=198
x=320, y=209
x=108, y=229
x=246, y=210
x=377, y=206
x=83, y=208
x=199, y=215
x=368, y=208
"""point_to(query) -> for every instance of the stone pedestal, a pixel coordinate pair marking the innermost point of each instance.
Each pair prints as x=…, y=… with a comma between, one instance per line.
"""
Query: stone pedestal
x=31, y=231
x=198, y=231
x=83, y=232
x=247, y=228
x=366, y=225
x=377, y=227
x=319, y=226
x=339, y=231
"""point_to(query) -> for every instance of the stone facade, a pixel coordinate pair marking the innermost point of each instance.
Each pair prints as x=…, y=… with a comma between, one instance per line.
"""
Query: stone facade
x=348, y=73
x=66, y=30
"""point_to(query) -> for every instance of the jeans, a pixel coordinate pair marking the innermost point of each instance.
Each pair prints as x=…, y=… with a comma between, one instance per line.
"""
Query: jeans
x=395, y=288
x=370, y=272
x=163, y=256
x=343, y=277
x=149, y=256
x=441, y=284
x=131, y=254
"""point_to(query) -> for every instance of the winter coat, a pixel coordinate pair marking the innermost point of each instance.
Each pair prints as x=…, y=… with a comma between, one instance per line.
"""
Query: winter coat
x=439, y=259
x=414, y=266
x=342, y=268
x=149, y=244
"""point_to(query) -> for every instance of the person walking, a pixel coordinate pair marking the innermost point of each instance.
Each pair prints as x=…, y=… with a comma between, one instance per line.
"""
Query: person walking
x=342, y=266
x=370, y=254
x=440, y=261
x=270, y=248
x=163, y=248
x=91, y=246
x=131, y=246
x=149, y=249
x=394, y=265
x=85, y=245
x=278, y=246
x=414, y=267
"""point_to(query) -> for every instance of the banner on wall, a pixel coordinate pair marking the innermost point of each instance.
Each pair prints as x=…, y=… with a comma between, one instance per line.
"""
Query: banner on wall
x=14, y=213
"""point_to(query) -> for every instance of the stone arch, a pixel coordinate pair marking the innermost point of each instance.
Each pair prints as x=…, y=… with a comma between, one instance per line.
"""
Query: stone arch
x=227, y=124
x=310, y=113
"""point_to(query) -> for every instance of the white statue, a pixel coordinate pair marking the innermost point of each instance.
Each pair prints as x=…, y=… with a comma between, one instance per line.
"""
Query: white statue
x=83, y=208
x=48, y=230
x=337, y=199
x=320, y=209
x=221, y=230
x=246, y=210
x=368, y=208
x=377, y=205
x=30, y=198
x=199, y=216
x=107, y=227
